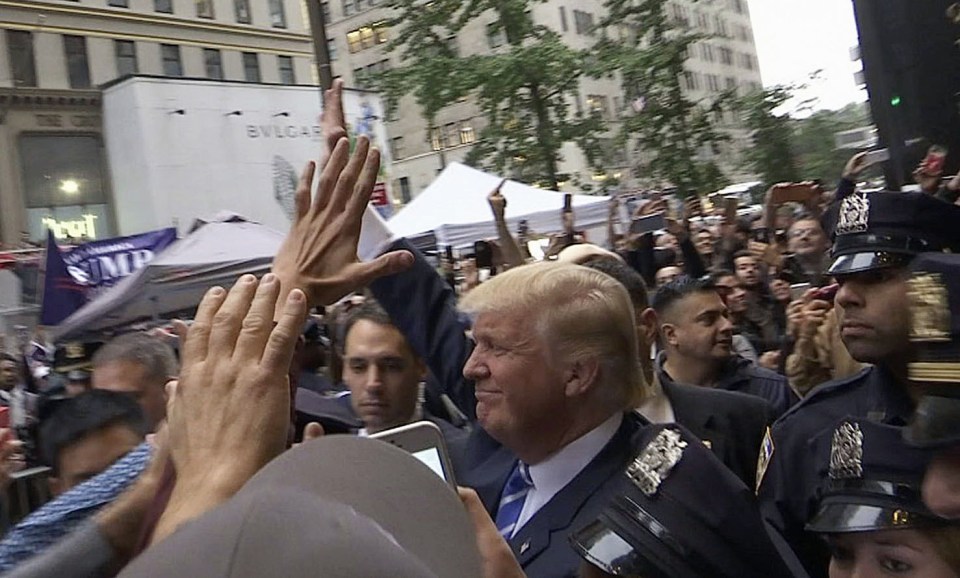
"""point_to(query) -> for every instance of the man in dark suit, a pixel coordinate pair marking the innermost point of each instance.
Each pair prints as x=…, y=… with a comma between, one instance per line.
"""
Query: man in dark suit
x=731, y=424
x=549, y=383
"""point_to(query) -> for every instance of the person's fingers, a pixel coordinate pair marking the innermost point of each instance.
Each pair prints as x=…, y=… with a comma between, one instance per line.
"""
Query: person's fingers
x=347, y=181
x=195, y=345
x=330, y=175
x=312, y=431
x=302, y=197
x=387, y=264
x=229, y=319
x=181, y=330
x=356, y=203
x=279, y=350
x=258, y=321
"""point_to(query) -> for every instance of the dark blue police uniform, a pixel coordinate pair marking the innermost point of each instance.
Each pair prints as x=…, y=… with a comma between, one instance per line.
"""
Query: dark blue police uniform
x=870, y=231
x=664, y=521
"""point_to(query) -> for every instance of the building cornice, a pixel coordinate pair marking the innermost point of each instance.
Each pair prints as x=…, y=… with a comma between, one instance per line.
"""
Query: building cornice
x=124, y=15
x=48, y=98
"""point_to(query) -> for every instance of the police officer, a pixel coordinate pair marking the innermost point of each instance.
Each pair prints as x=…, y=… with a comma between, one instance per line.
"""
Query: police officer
x=935, y=331
x=875, y=237
x=681, y=514
x=870, y=510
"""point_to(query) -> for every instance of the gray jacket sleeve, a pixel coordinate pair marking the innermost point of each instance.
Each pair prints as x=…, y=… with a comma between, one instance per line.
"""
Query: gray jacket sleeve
x=84, y=553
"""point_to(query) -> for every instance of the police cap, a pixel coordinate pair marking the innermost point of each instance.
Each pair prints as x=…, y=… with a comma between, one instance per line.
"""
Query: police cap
x=679, y=514
x=887, y=229
x=74, y=355
x=934, y=297
x=872, y=480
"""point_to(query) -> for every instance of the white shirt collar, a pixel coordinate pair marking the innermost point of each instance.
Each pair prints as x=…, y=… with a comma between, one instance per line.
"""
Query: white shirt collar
x=554, y=473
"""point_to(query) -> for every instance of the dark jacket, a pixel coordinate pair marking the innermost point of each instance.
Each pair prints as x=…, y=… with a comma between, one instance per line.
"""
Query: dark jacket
x=732, y=424
x=747, y=377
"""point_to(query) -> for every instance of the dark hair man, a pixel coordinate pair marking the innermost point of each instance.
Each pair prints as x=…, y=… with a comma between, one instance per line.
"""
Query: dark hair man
x=138, y=365
x=875, y=237
x=730, y=423
x=87, y=433
x=383, y=374
x=697, y=338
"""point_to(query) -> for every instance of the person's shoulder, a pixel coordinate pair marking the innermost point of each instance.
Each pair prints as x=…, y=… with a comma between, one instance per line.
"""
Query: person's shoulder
x=755, y=372
x=818, y=401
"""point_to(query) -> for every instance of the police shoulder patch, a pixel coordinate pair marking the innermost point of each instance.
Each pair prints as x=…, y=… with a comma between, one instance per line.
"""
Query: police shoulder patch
x=763, y=460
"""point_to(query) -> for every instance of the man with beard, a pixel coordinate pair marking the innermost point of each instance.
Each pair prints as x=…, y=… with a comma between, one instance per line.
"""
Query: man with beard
x=808, y=246
x=763, y=323
x=876, y=236
x=697, y=339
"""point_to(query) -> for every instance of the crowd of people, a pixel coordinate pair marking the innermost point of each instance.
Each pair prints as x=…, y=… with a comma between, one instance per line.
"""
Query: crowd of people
x=738, y=395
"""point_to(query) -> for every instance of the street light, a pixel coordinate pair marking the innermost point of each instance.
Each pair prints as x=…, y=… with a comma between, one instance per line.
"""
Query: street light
x=70, y=186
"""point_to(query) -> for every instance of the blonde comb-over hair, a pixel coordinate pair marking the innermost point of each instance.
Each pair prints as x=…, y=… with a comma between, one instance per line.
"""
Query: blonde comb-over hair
x=579, y=313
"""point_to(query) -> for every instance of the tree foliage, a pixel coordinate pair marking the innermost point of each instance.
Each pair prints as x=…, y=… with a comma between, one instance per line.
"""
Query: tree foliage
x=649, y=49
x=522, y=88
x=771, y=155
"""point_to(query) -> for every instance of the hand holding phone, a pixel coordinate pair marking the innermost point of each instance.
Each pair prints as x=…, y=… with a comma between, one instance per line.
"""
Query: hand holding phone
x=793, y=193
x=648, y=224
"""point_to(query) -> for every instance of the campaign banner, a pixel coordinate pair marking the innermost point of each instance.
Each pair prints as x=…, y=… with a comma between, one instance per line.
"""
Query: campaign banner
x=74, y=277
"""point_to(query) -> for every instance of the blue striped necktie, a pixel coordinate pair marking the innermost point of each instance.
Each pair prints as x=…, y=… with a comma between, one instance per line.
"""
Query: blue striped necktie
x=514, y=495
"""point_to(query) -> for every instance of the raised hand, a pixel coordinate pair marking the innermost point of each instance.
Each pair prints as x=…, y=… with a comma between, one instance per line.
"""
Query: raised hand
x=230, y=411
x=498, y=203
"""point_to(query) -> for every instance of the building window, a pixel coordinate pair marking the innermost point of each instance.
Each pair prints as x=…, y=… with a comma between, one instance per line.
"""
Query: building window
x=738, y=6
x=747, y=61
x=405, y=189
x=706, y=52
x=583, y=22
x=703, y=23
x=436, y=139
x=241, y=9
x=495, y=35
x=278, y=18
x=172, y=65
x=126, y=53
x=351, y=7
x=450, y=133
x=731, y=83
x=325, y=10
x=22, y=62
x=165, y=6
x=467, y=134
x=213, y=64
x=563, y=19
x=396, y=148
x=285, y=63
x=360, y=78
x=251, y=67
x=78, y=69
x=720, y=26
x=204, y=8
x=332, y=49
x=726, y=56
x=713, y=83
x=118, y=3
x=367, y=37
x=598, y=103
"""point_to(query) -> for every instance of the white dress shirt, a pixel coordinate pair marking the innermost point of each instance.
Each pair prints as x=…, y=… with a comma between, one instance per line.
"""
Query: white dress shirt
x=553, y=474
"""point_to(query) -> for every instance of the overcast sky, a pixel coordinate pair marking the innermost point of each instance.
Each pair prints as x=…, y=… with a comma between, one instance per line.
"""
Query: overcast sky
x=797, y=37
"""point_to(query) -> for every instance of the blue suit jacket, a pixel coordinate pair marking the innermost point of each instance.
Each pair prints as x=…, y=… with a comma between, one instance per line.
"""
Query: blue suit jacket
x=423, y=307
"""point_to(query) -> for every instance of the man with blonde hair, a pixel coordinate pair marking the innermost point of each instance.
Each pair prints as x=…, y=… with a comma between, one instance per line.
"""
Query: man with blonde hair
x=549, y=377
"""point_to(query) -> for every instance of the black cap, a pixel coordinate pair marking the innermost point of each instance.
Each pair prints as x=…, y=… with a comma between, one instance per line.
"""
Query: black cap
x=886, y=229
x=934, y=297
x=680, y=514
x=74, y=355
x=873, y=480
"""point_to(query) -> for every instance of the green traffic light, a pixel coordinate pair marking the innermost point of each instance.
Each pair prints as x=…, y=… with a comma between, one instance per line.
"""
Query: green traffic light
x=895, y=101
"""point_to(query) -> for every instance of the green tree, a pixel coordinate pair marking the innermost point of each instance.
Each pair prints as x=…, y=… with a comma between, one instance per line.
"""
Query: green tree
x=523, y=87
x=815, y=143
x=648, y=48
x=772, y=154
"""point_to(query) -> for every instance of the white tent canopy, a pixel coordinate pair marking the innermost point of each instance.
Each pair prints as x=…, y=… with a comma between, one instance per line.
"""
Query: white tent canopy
x=454, y=209
x=217, y=251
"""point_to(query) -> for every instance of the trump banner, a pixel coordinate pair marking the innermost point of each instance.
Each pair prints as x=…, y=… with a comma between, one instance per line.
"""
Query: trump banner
x=77, y=276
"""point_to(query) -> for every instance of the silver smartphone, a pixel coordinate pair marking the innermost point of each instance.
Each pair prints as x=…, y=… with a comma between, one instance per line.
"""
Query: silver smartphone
x=797, y=290
x=425, y=442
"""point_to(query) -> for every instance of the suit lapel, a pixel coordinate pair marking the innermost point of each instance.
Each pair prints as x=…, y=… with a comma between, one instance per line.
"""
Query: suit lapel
x=696, y=416
x=558, y=514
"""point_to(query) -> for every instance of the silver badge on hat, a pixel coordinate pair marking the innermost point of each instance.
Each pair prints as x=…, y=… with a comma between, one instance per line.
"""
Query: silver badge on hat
x=929, y=308
x=654, y=463
x=854, y=214
x=846, y=452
